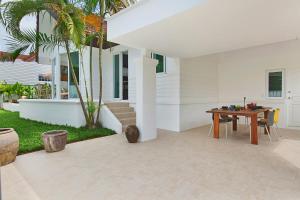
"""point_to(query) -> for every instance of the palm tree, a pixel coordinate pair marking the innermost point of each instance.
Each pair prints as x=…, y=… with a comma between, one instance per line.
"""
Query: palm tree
x=102, y=9
x=69, y=27
x=107, y=8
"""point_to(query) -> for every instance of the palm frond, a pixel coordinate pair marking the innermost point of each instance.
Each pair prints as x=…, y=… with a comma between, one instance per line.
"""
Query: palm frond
x=14, y=11
x=25, y=42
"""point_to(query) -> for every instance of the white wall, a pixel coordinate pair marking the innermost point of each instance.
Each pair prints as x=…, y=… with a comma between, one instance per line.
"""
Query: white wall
x=109, y=120
x=61, y=112
x=133, y=55
x=224, y=79
x=198, y=90
x=168, y=96
x=26, y=73
x=13, y=107
x=168, y=85
x=243, y=73
x=108, y=69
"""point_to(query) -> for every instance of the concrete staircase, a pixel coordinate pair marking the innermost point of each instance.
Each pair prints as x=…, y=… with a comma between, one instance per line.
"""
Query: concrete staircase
x=123, y=112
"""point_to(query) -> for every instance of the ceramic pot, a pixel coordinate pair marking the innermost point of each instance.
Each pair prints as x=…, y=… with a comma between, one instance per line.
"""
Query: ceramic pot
x=132, y=134
x=55, y=141
x=9, y=145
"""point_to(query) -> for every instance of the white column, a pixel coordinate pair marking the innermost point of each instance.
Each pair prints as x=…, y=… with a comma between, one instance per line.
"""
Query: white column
x=1, y=100
x=57, y=75
x=146, y=98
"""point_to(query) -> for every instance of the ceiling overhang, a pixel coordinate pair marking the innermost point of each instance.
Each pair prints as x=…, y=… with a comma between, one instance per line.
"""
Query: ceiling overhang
x=193, y=28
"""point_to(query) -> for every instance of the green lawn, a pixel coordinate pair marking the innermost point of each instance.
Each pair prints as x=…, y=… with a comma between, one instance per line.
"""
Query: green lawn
x=30, y=131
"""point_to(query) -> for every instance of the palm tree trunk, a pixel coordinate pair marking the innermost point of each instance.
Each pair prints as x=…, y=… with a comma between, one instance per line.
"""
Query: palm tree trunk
x=91, y=71
x=37, y=49
x=83, y=74
x=89, y=101
x=91, y=81
x=100, y=76
x=101, y=36
x=88, y=123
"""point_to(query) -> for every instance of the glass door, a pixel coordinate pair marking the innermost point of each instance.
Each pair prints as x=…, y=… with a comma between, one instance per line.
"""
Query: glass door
x=125, y=75
x=75, y=61
x=64, y=78
x=116, y=74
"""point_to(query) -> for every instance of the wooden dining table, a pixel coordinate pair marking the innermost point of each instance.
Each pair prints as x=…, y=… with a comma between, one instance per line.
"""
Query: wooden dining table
x=252, y=114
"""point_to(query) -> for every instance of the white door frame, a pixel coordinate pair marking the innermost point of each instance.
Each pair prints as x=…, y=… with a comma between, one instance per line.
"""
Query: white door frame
x=120, y=76
x=293, y=98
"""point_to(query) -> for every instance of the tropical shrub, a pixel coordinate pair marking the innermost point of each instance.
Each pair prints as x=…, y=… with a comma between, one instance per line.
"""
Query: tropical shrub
x=14, y=92
x=43, y=91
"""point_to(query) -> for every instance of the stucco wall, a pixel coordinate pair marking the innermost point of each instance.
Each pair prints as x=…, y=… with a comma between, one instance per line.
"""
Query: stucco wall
x=243, y=73
x=26, y=73
x=167, y=84
x=61, y=112
x=198, y=90
x=167, y=96
x=224, y=79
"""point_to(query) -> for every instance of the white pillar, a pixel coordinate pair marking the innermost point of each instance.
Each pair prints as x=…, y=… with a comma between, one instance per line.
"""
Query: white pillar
x=1, y=100
x=57, y=75
x=146, y=98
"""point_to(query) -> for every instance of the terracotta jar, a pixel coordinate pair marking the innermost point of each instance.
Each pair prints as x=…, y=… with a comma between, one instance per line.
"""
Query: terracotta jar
x=55, y=140
x=132, y=134
x=9, y=146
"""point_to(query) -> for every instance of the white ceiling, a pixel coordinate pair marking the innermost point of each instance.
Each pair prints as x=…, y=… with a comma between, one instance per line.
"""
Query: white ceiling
x=218, y=26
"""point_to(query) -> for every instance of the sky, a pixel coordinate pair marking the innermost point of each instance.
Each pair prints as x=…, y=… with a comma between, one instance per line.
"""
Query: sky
x=27, y=23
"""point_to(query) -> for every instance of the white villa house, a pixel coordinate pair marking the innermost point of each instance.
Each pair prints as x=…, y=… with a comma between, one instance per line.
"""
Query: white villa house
x=177, y=60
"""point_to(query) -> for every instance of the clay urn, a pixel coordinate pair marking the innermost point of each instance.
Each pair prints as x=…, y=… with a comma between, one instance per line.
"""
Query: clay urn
x=55, y=141
x=132, y=133
x=9, y=145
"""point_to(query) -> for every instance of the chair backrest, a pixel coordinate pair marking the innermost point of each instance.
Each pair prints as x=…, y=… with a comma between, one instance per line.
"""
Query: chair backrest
x=276, y=115
x=271, y=118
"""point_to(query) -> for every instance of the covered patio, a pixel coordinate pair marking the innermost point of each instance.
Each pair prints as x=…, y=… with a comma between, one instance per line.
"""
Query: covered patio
x=189, y=165
x=222, y=52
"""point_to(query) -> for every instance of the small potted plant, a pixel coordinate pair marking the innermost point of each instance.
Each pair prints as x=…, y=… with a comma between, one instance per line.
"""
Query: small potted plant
x=55, y=141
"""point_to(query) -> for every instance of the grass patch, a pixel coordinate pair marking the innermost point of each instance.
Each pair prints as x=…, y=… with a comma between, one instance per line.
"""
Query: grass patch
x=30, y=132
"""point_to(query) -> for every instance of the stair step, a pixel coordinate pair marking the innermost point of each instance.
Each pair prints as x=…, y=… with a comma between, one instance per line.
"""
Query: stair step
x=123, y=112
x=128, y=121
x=117, y=104
x=125, y=115
x=121, y=109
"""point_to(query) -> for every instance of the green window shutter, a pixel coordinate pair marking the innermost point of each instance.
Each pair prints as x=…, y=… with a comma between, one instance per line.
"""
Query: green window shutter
x=116, y=76
x=161, y=62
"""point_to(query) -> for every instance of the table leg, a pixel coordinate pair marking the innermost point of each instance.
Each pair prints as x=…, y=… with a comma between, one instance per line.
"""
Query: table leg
x=234, y=123
x=266, y=114
x=254, y=136
x=216, y=125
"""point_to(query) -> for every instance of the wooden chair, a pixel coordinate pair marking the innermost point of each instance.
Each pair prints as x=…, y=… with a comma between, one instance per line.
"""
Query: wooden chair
x=223, y=120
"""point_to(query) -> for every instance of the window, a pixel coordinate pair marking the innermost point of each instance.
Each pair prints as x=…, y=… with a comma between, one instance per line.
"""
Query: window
x=275, y=84
x=161, y=67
